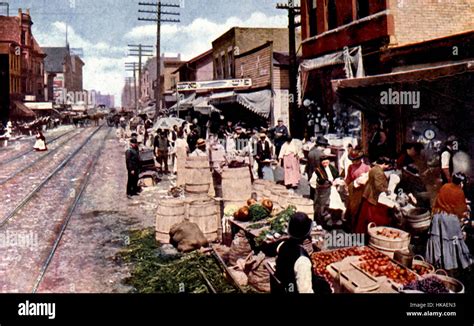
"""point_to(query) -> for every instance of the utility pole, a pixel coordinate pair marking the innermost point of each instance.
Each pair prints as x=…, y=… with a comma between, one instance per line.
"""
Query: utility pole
x=296, y=127
x=140, y=51
x=133, y=66
x=158, y=19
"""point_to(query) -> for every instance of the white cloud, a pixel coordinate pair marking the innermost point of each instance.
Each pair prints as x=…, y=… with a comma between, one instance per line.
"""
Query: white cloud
x=196, y=37
x=104, y=64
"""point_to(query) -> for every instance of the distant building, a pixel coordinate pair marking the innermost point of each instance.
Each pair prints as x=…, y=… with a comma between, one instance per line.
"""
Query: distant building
x=199, y=68
x=104, y=99
x=63, y=72
x=21, y=66
x=168, y=79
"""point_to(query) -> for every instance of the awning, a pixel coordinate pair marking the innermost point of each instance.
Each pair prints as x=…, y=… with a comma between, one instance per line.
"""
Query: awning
x=202, y=105
x=184, y=103
x=350, y=58
x=444, y=88
x=20, y=110
x=258, y=102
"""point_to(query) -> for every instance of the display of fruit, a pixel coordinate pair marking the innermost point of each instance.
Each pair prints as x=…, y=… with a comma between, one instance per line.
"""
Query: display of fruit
x=389, y=233
x=432, y=285
x=268, y=204
x=251, y=202
x=243, y=214
x=384, y=267
x=420, y=269
x=258, y=212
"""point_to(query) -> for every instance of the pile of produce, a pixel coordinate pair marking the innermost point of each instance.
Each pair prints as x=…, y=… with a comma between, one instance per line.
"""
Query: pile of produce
x=384, y=267
x=156, y=272
x=321, y=260
x=254, y=211
x=431, y=285
x=420, y=269
x=389, y=233
x=276, y=226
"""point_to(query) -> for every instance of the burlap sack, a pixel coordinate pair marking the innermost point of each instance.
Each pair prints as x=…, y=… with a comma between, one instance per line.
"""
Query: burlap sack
x=187, y=236
x=258, y=275
x=240, y=248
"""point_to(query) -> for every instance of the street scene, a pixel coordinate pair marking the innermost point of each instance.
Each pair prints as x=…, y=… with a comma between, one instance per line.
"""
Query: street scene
x=298, y=147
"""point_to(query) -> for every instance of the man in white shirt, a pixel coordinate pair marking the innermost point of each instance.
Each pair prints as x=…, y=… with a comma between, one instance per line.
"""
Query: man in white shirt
x=447, y=155
x=294, y=268
x=201, y=149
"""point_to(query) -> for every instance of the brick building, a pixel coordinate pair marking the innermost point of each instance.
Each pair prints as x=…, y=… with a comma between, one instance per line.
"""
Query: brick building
x=240, y=40
x=199, y=68
x=168, y=79
x=21, y=66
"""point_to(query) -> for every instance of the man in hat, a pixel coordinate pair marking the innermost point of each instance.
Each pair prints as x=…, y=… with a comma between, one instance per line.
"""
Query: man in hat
x=201, y=149
x=161, y=148
x=314, y=160
x=447, y=156
x=264, y=153
x=281, y=134
x=294, y=268
x=132, y=159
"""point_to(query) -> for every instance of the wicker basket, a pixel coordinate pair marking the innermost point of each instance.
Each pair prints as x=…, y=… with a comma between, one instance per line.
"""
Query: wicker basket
x=381, y=242
x=453, y=285
x=420, y=261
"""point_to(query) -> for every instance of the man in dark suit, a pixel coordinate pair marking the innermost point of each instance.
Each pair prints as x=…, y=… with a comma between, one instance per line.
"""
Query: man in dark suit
x=132, y=157
x=314, y=160
x=264, y=152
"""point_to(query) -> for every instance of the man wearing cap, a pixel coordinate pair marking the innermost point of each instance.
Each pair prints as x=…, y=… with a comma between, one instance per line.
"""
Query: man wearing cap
x=281, y=134
x=200, y=150
x=294, y=268
x=132, y=159
x=264, y=153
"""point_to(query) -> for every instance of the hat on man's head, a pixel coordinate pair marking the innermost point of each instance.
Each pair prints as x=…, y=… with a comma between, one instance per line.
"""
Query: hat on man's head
x=263, y=135
x=280, y=120
x=300, y=226
x=356, y=154
x=133, y=141
x=322, y=141
x=201, y=142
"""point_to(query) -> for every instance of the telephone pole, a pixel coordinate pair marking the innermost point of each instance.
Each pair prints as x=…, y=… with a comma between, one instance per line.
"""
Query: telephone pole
x=134, y=67
x=158, y=13
x=295, y=118
x=140, y=51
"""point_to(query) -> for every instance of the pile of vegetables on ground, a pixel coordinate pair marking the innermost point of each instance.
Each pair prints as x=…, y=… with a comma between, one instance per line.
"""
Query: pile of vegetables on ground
x=156, y=271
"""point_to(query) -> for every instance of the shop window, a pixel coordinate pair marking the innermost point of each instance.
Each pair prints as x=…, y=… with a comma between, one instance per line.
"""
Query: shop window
x=332, y=14
x=362, y=8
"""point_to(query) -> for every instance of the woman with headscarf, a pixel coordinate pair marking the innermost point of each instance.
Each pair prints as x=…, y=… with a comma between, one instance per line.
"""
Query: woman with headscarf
x=289, y=158
x=355, y=182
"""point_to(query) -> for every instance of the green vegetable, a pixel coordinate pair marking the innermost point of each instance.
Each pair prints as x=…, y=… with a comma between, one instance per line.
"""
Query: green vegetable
x=258, y=213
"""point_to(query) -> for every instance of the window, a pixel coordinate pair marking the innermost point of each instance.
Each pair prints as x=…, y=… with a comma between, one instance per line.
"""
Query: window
x=362, y=8
x=230, y=63
x=313, y=17
x=223, y=67
x=332, y=14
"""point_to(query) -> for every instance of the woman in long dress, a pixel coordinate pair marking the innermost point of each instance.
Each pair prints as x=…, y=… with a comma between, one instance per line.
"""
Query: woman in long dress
x=182, y=150
x=40, y=145
x=289, y=157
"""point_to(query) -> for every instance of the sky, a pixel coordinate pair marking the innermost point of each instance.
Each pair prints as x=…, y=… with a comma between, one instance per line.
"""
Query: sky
x=104, y=28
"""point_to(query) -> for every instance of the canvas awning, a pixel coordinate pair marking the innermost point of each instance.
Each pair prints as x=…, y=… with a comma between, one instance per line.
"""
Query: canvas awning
x=184, y=103
x=202, y=105
x=20, y=110
x=259, y=102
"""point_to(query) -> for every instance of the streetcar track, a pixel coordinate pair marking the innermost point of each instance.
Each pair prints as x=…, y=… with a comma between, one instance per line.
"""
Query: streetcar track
x=36, y=161
x=14, y=158
x=36, y=189
x=89, y=171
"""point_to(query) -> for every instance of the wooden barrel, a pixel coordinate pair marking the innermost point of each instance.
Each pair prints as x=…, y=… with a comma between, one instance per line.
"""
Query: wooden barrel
x=169, y=213
x=418, y=220
x=236, y=185
x=386, y=245
x=198, y=177
x=303, y=205
x=206, y=215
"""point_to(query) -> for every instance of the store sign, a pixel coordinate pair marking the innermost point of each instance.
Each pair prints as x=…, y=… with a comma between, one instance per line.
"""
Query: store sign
x=214, y=84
